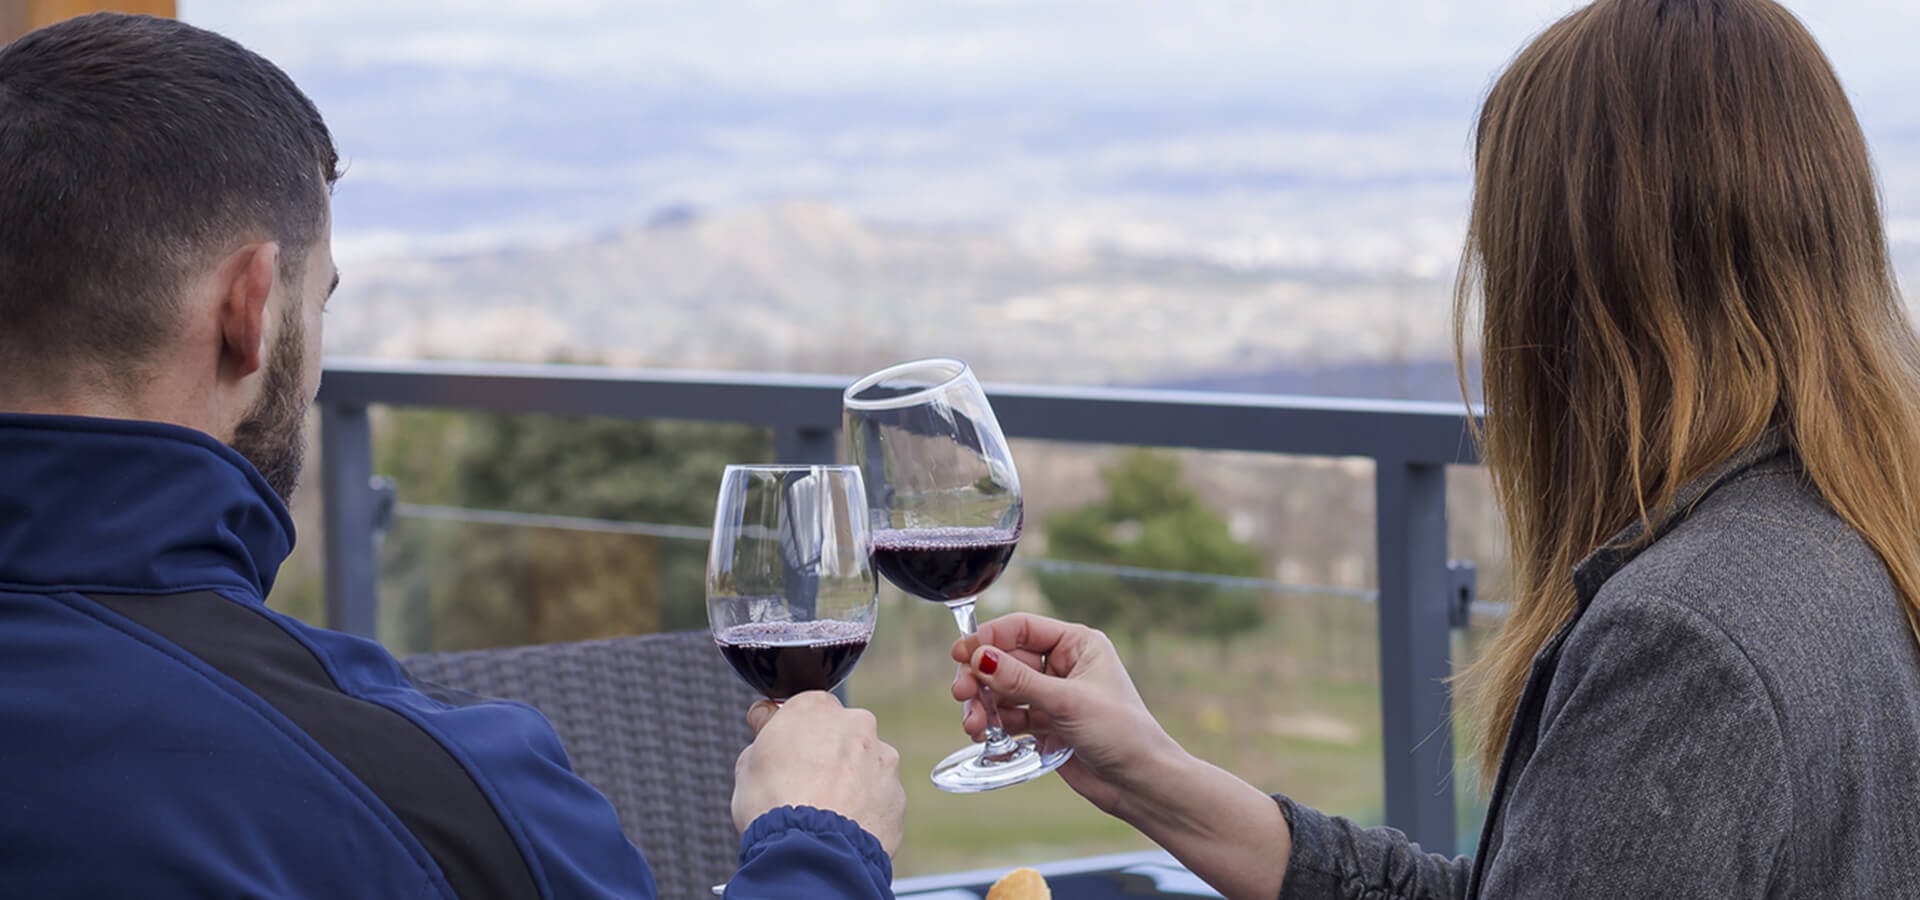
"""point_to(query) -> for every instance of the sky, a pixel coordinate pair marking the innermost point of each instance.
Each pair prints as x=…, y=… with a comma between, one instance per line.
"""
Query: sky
x=1311, y=133
x=1101, y=46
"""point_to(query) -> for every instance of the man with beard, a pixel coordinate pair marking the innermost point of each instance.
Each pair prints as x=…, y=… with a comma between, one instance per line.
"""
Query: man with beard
x=164, y=261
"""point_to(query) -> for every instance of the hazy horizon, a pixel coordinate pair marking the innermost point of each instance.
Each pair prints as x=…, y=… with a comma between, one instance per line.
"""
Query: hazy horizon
x=1095, y=192
x=1297, y=132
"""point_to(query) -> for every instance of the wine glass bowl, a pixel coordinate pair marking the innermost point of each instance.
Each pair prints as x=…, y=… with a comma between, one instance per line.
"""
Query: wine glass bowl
x=946, y=514
x=791, y=592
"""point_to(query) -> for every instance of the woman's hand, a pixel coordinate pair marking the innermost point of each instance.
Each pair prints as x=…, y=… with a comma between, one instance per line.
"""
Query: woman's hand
x=1065, y=684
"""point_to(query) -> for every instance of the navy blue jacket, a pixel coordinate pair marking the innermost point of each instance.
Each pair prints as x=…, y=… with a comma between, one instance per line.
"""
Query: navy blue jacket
x=164, y=734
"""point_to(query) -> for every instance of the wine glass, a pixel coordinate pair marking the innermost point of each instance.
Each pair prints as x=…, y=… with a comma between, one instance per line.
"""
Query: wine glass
x=945, y=502
x=791, y=595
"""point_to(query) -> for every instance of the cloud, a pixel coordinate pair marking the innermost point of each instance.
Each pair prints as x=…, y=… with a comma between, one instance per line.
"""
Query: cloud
x=1233, y=121
x=1081, y=48
x=922, y=43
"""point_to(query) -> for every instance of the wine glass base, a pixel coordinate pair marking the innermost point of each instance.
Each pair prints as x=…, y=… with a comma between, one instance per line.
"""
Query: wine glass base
x=967, y=772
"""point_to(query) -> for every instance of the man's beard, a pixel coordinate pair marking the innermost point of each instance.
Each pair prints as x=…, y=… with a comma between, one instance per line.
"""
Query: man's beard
x=272, y=434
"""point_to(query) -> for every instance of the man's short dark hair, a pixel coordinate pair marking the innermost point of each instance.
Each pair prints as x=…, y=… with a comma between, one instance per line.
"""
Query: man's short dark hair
x=133, y=149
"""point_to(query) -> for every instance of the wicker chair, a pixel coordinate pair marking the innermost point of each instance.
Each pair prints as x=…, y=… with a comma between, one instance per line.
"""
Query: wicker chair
x=654, y=722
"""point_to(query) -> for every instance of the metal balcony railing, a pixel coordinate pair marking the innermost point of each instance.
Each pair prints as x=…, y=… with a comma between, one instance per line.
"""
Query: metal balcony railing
x=1421, y=596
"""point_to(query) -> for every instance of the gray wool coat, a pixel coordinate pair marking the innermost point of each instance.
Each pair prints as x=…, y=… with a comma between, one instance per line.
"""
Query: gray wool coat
x=1734, y=711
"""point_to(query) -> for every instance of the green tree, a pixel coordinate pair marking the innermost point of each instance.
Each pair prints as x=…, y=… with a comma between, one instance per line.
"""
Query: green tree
x=455, y=585
x=1151, y=519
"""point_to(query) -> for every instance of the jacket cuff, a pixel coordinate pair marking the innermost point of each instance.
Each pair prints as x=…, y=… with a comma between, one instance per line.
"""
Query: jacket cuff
x=825, y=824
x=1313, y=869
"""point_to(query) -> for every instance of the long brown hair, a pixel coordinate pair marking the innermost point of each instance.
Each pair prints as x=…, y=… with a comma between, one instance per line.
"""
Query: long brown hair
x=1676, y=239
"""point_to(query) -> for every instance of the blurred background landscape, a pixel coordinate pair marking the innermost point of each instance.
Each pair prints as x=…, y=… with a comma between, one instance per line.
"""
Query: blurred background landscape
x=1261, y=197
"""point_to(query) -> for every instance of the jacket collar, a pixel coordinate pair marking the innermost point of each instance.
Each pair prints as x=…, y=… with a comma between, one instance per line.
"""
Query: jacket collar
x=133, y=507
x=1616, y=553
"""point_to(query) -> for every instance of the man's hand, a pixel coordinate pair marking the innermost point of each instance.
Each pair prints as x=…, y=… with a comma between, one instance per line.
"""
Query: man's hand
x=814, y=752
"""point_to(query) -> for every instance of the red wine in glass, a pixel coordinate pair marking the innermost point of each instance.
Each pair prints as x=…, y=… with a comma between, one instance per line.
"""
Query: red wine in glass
x=944, y=565
x=944, y=503
x=791, y=593
x=781, y=659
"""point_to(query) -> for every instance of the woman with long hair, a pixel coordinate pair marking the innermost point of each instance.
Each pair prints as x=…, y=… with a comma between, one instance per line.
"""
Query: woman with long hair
x=1703, y=425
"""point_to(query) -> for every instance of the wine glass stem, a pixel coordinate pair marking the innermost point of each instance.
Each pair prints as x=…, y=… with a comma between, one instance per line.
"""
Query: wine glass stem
x=998, y=745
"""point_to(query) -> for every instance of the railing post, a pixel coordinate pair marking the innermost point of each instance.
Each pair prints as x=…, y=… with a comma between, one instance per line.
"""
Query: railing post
x=351, y=514
x=1417, y=735
x=804, y=445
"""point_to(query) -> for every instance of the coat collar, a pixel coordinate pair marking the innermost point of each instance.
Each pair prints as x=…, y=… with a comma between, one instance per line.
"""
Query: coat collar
x=133, y=507
x=1615, y=554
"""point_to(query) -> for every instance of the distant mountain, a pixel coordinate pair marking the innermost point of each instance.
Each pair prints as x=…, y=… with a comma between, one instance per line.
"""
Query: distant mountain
x=808, y=286
x=1101, y=191
x=1431, y=380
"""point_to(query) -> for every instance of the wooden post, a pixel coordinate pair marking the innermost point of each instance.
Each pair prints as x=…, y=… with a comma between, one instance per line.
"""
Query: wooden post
x=17, y=17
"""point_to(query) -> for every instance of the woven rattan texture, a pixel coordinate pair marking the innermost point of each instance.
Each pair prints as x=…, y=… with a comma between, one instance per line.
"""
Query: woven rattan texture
x=654, y=722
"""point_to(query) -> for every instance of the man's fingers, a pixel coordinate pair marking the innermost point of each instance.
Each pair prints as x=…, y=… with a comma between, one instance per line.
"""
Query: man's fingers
x=807, y=704
x=759, y=714
x=813, y=701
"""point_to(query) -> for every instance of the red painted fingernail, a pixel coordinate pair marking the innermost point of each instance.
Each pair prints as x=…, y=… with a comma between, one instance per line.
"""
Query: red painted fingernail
x=989, y=662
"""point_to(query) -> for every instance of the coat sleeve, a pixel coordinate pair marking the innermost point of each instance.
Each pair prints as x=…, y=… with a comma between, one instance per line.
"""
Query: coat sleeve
x=803, y=853
x=1334, y=858
x=1660, y=768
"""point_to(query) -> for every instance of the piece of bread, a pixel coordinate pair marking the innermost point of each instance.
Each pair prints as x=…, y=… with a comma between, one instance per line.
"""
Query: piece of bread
x=1020, y=884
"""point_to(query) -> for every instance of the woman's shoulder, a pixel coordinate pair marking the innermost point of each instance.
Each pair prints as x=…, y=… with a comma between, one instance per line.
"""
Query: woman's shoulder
x=1765, y=565
x=1765, y=609
x=1764, y=554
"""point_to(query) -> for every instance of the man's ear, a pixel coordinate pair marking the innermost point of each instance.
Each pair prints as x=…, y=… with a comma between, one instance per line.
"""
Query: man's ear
x=246, y=281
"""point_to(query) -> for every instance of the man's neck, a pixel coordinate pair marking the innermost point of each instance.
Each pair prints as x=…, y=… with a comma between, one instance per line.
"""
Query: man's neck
x=15, y=398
